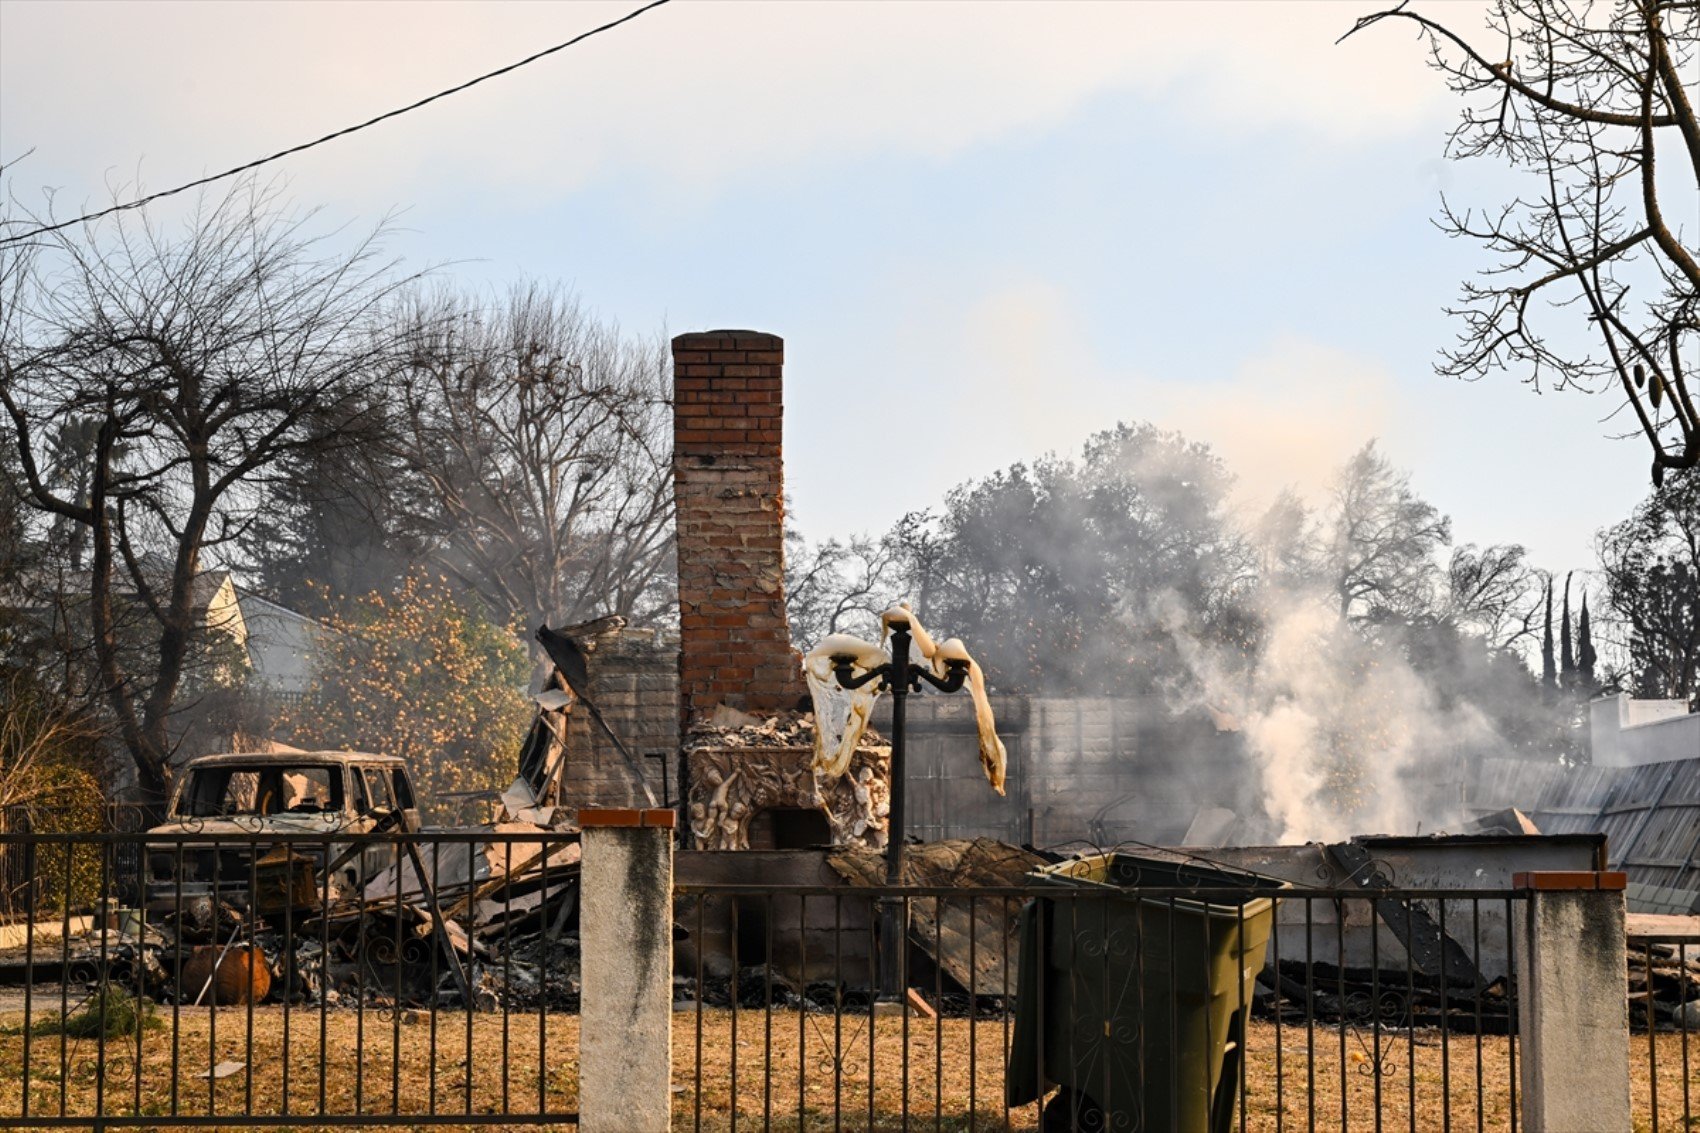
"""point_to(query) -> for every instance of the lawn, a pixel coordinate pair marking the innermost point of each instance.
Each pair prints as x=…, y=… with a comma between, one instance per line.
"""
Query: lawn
x=954, y=1071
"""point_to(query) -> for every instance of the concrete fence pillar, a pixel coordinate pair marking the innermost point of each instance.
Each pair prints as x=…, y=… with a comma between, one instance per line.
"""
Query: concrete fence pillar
x=626, y=971
x=1572, y=1002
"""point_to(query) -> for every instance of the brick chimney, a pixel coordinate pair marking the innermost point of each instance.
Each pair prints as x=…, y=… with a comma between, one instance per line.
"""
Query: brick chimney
x=728, y=486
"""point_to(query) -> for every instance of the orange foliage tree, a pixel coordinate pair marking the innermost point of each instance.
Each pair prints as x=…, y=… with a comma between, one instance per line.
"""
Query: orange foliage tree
x=423, y=673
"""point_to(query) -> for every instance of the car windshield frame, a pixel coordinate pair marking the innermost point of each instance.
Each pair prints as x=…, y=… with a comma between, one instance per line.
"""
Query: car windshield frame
x=274, y=790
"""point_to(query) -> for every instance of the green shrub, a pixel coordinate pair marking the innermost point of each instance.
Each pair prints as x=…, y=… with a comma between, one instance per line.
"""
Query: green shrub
x=112, y=1010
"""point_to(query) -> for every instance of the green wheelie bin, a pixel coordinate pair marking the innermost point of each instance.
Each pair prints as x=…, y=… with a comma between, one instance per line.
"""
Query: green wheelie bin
x=1134, y=986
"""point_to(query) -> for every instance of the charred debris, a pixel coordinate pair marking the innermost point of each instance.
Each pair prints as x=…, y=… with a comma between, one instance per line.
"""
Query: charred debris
x=482, y=916
x=485, y=917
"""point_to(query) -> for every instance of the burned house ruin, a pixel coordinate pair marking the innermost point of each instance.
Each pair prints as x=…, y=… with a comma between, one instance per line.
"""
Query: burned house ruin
x=713, y=711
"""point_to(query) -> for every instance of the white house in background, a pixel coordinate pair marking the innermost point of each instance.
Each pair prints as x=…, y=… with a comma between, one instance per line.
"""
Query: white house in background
x=281, y=645
x=1628, y=732
x=279, y=642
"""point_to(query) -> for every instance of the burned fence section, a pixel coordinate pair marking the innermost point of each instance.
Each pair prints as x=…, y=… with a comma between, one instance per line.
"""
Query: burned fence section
x=372, y=979
x=1050, y=1008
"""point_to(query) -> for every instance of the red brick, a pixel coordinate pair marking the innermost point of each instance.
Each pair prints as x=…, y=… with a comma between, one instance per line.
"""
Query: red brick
x=609, y=816
x=729, y=402
x=700, y=340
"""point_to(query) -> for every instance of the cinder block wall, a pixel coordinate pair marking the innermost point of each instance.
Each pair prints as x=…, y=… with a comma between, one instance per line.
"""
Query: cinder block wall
x=634, y=677
x=1128, y=763
x=728, y=483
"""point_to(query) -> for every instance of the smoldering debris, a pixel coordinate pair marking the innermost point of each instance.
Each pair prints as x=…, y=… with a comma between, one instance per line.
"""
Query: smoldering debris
x=1664, y=987
x=1295, y=992
x=973, y=942
x=1664, y=994
x=482, y=925
x=728, y=727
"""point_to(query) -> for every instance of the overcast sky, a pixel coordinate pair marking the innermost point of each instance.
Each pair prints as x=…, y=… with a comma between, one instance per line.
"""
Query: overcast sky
x=984, y=230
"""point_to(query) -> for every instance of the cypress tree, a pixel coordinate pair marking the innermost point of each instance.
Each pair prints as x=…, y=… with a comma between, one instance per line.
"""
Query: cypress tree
x=1567, y=656
x=1549, y=668
x=1585, y=656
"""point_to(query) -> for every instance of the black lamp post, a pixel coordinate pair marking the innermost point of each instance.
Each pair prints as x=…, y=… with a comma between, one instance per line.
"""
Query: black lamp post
x=899, y=676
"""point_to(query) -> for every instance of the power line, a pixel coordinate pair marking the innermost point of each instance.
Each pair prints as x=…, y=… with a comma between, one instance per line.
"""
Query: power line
x=280, y=154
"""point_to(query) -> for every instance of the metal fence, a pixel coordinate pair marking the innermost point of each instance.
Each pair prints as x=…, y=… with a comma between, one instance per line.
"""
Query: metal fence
x=75, y=885
x=309, y=980
x=431, y=979
x=1664, y=1019
x=1067, y=1009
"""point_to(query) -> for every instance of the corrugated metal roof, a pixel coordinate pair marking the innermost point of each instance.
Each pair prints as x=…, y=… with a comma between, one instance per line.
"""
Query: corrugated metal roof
x=1649, y=814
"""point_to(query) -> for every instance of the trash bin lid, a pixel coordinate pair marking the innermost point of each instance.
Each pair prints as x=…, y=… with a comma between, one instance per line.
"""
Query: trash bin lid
x=1216, y=890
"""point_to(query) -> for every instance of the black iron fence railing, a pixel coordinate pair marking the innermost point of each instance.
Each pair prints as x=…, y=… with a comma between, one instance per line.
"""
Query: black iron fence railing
x=265, y=978
x=333, y=979
x=1664, y=1020
x=1141, y=1009
x=76, y=885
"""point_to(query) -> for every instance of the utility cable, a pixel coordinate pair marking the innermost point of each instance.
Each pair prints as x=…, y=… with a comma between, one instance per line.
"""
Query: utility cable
x=279, y=155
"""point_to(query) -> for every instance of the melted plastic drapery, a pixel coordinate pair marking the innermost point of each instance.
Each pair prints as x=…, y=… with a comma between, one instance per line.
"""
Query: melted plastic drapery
x=993, y=758
x=841, y=715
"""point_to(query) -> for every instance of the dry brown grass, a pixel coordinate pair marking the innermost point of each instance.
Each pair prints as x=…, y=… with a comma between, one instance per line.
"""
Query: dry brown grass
x=955, y=1071
x=943, y=1093
x=362, y=1072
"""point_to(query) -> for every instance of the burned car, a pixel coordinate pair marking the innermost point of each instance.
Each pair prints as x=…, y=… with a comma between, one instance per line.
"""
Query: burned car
x=337, y=795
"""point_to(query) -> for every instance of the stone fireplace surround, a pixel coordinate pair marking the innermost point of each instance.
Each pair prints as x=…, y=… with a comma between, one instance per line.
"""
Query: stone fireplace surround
x=731, y=785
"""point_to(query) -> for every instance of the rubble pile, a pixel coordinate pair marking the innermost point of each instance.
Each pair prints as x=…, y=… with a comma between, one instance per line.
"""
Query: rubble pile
x=1396, y=998
x=1664, y=980
x=469, y=922
x=758, y=986
x=728, y=727
x=1406, y=997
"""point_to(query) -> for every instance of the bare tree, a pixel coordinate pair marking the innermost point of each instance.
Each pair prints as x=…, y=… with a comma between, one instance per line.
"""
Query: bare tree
x=839, y=586
x=43, y=745
x=1380, y=543
x=1494, y=593
x=1596, y=101
x=538, y=440
x=1650, y=566
x=193, y=359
